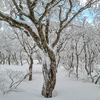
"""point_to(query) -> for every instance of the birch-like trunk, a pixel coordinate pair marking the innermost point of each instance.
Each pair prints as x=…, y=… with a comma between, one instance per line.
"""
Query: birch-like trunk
x=49, y=74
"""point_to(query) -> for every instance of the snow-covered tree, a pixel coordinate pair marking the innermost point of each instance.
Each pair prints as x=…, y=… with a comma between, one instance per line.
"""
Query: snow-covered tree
x=10, y=51
x=44, y=21
x=28, y=48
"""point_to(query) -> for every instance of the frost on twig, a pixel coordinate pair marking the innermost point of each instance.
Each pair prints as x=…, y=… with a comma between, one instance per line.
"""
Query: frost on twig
x=15, y=78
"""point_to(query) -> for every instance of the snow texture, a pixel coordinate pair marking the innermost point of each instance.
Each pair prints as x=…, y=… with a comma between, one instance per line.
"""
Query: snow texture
x=66, y=88
x=46, y=60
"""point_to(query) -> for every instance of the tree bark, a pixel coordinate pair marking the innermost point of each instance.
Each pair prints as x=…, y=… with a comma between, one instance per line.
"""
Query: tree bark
x=77, y=57
x=97, y=80
x=49, y=74
x=21, y=59
x=85, y=55
x=86, y=60
x=30, y=68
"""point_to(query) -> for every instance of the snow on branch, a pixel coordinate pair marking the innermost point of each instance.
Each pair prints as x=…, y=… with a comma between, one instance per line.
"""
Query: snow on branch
x=15, y=79
x=64, y=23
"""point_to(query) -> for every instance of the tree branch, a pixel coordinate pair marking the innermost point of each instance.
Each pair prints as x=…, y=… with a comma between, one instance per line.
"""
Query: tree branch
x=88, y=5
x=70, y=2
x=47, y=30
x=31, y=7
x=16, y=23
x=46, y=10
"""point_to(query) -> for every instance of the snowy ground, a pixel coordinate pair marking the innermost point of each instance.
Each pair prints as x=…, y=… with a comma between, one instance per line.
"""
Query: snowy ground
x=66, y=88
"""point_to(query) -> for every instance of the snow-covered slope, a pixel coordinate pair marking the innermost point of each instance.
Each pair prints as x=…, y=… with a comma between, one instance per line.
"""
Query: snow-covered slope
x=66, y=88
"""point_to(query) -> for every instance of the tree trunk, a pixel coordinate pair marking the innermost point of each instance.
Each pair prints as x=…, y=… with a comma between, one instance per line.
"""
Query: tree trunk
x=49, y=67
x=85, y=55
x=77, y=57
x=86, y=60
x=49, y=74
x=30, y=68
x=97, y=80
x=9, y=57
x=21, y=59
x=72, y=58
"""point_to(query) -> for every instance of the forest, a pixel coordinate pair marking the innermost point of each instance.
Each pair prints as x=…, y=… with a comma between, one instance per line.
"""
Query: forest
x=50, y=38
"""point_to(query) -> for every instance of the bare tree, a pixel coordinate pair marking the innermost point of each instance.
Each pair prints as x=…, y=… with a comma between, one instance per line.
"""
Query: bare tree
x=28, y=49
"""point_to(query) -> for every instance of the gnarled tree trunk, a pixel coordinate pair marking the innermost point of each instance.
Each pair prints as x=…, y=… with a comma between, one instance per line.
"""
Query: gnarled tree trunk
x=49, y=74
